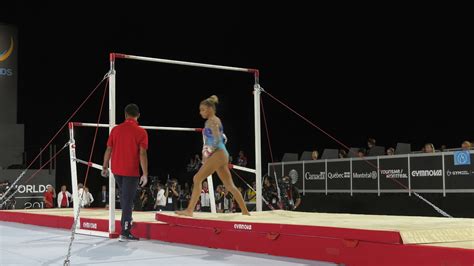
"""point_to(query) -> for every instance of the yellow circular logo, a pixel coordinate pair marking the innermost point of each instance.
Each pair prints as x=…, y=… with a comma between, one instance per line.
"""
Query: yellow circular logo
x=6, y=53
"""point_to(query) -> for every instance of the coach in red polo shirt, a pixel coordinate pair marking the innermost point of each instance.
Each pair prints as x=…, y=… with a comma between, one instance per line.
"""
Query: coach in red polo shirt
x=127, y=146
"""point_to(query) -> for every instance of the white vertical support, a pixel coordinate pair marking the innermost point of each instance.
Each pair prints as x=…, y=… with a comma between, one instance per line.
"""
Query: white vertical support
x=303, y=179
x=378, y=176
x=326, y=176
x=444, y=176
x=409, y=175
x=350, y=162
x=212, y=197
x=258, y=146
x=75, y=190
x=112, y=108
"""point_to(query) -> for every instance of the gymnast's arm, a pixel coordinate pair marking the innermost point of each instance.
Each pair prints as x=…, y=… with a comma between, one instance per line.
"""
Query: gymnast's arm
x=214, y=124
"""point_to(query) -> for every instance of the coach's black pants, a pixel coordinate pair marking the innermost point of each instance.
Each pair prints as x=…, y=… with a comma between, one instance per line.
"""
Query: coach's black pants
x=128, y=187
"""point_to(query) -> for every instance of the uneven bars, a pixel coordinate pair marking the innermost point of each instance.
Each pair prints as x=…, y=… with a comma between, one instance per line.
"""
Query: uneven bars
x=241, y=168
x=78, y=124
x=93, y=165
x=113, y=56
x=231, y=166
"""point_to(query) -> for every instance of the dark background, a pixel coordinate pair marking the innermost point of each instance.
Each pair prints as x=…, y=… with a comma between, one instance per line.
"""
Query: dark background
x=393, y=73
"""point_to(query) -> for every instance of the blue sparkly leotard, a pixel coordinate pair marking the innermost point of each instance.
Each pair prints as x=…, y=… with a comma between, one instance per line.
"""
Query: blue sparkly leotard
x=210, y=142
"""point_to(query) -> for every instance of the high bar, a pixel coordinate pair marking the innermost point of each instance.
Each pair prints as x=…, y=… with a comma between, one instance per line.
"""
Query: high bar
x=79, y=124
x=113, y=56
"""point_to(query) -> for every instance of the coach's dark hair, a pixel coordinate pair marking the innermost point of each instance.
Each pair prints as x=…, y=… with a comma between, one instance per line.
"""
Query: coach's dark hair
x=132, y=110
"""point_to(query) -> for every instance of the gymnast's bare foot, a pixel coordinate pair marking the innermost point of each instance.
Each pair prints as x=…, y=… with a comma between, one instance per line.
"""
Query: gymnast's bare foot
x=184, y=213
x=246, y=213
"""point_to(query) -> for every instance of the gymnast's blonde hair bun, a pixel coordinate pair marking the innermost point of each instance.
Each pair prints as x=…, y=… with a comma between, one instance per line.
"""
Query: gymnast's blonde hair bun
x=213, y=99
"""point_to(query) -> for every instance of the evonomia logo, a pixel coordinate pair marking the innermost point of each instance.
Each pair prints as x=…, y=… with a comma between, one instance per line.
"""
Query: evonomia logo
x=320, y=176
x=4, y=55
x=438, y=172
x=369, y=175
x=247, y=227
x=393, y=173
x=89, y=225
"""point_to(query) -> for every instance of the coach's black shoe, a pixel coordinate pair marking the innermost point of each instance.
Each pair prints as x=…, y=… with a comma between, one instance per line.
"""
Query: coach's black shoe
x=127, y=237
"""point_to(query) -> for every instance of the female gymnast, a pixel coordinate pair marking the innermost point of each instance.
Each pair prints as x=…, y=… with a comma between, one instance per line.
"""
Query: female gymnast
x=215, y=157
